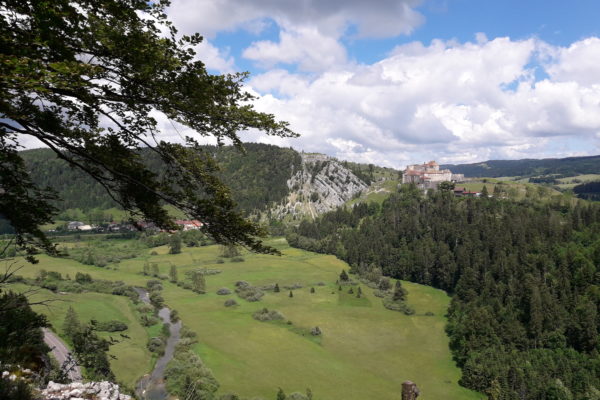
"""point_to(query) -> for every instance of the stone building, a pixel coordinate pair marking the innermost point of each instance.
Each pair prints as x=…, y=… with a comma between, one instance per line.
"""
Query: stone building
x=429, y=175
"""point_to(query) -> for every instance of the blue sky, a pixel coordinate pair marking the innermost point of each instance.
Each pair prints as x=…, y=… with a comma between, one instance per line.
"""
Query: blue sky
x=399, y=81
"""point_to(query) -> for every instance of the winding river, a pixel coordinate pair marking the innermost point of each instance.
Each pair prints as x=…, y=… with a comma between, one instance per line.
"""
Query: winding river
x=152, y=386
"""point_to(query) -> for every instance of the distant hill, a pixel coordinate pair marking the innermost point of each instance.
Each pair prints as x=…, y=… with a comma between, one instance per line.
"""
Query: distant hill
x=268, y=181
x=564, y=167
x=256, y=178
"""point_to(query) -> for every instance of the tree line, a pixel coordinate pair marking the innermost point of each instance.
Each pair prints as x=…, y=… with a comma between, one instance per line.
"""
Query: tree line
x=524, y=279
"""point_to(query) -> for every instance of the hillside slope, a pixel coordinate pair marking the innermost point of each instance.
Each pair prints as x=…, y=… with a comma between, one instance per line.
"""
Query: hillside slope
x=529, y=167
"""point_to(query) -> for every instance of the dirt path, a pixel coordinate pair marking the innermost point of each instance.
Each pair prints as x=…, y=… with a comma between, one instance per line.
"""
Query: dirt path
x=61, y=353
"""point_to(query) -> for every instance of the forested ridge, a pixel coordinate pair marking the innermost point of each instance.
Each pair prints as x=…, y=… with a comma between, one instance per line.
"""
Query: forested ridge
x=562, y=167
x=524, y=279
x=256, y=178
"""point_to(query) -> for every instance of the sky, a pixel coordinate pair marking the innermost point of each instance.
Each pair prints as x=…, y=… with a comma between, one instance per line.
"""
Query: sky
x=395, y=82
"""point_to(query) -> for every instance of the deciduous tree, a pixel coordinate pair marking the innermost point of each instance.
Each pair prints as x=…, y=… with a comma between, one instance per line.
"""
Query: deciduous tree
x=90, y=79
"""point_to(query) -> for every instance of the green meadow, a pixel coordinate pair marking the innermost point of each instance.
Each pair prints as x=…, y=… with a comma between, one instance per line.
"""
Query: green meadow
x=365, y=351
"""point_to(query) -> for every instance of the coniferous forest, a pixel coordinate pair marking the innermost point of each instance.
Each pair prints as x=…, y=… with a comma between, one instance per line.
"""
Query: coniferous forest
x=523, y=276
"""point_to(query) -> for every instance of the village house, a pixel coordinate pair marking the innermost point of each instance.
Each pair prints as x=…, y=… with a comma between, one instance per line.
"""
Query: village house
x=187, y=225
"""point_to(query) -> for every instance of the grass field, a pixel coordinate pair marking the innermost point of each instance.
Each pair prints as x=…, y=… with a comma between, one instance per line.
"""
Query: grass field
x=103, y=307
x=365, y=352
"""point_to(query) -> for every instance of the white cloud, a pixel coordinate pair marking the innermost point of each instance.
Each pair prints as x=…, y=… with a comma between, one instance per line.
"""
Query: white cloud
x=304, y=46
x=452, y=101
x=214, y=58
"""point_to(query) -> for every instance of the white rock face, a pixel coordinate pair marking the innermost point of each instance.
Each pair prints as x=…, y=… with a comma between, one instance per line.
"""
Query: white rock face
x=82, y=391
x=322, y=185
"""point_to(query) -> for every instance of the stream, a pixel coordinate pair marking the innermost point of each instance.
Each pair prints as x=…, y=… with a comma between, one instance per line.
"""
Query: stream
x=152, y=386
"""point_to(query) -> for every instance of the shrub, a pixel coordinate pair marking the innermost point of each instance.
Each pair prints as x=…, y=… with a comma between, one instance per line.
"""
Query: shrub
x=111, y=326
x=237, y=259
x=223, y=291
x=316, y=331
x=293, y=286
x=320, y=283
x=398, y=306
x=241, y=284
x=156, y=345
x=230, y=303
x=144, y=308
x=429, y=314
x=312, y=289
x=154, y=285
x=266, y=315
x=148, y=320
x=250, y=293
x=153, y=253
x=219, y=261
x=380, y=293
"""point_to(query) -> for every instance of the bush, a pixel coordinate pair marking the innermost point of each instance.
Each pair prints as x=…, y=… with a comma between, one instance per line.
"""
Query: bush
x=111, y=326
x=156, y=345
x=250, y=293
x=398, y=306
x=144, y=308
x=266, y=315
x=380, y=293
x=219, y=261
x=148, y=320
x=241, y=284
x=316, y=331
x=237, y=259
x=293, y=286
x=223, y=291
x=230, y=303
x=154, y=285
x=153, y=253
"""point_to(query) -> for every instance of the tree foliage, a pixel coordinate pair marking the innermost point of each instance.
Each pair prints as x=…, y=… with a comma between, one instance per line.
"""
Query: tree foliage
x=89, y=79
x=524, y=278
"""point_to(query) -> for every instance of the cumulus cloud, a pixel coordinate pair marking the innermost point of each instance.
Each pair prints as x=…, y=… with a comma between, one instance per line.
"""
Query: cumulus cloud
x=304, y=46
x=377, y=18
x=457, y=102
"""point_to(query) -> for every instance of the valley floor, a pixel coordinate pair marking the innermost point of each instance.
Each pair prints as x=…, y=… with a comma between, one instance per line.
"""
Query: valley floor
x=365, y=352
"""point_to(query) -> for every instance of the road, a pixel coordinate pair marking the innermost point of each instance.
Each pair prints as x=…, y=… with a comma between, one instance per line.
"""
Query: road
x=61, y=352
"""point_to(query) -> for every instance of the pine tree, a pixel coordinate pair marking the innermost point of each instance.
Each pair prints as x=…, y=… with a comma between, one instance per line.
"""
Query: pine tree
x=359, y=292
x=280, y=394
x=344, y=276
x=276, y=288
x=484, y=191
x=173, y=273
x=146, y=270
x=291, y=294
x=312, y=289
x=399, y=292
x=71, y=325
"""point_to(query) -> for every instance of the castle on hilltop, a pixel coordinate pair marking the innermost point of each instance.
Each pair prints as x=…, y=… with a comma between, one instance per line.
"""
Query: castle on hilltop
x=429, y=175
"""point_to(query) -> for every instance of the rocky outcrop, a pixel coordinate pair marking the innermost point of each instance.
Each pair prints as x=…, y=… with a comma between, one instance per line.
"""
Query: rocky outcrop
x=322, y=184
x=83, y=391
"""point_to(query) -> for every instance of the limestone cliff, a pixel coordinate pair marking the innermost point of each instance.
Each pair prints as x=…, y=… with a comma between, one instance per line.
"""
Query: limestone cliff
x=321, y=184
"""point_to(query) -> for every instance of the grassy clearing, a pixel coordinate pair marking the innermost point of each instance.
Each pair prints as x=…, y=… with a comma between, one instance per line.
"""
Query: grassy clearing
x=365, y=351
x=103, y=307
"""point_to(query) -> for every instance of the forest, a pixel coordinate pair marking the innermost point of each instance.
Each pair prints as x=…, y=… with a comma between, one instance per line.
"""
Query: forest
x=561, y=167
x=256, y=178
x=523, y=276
